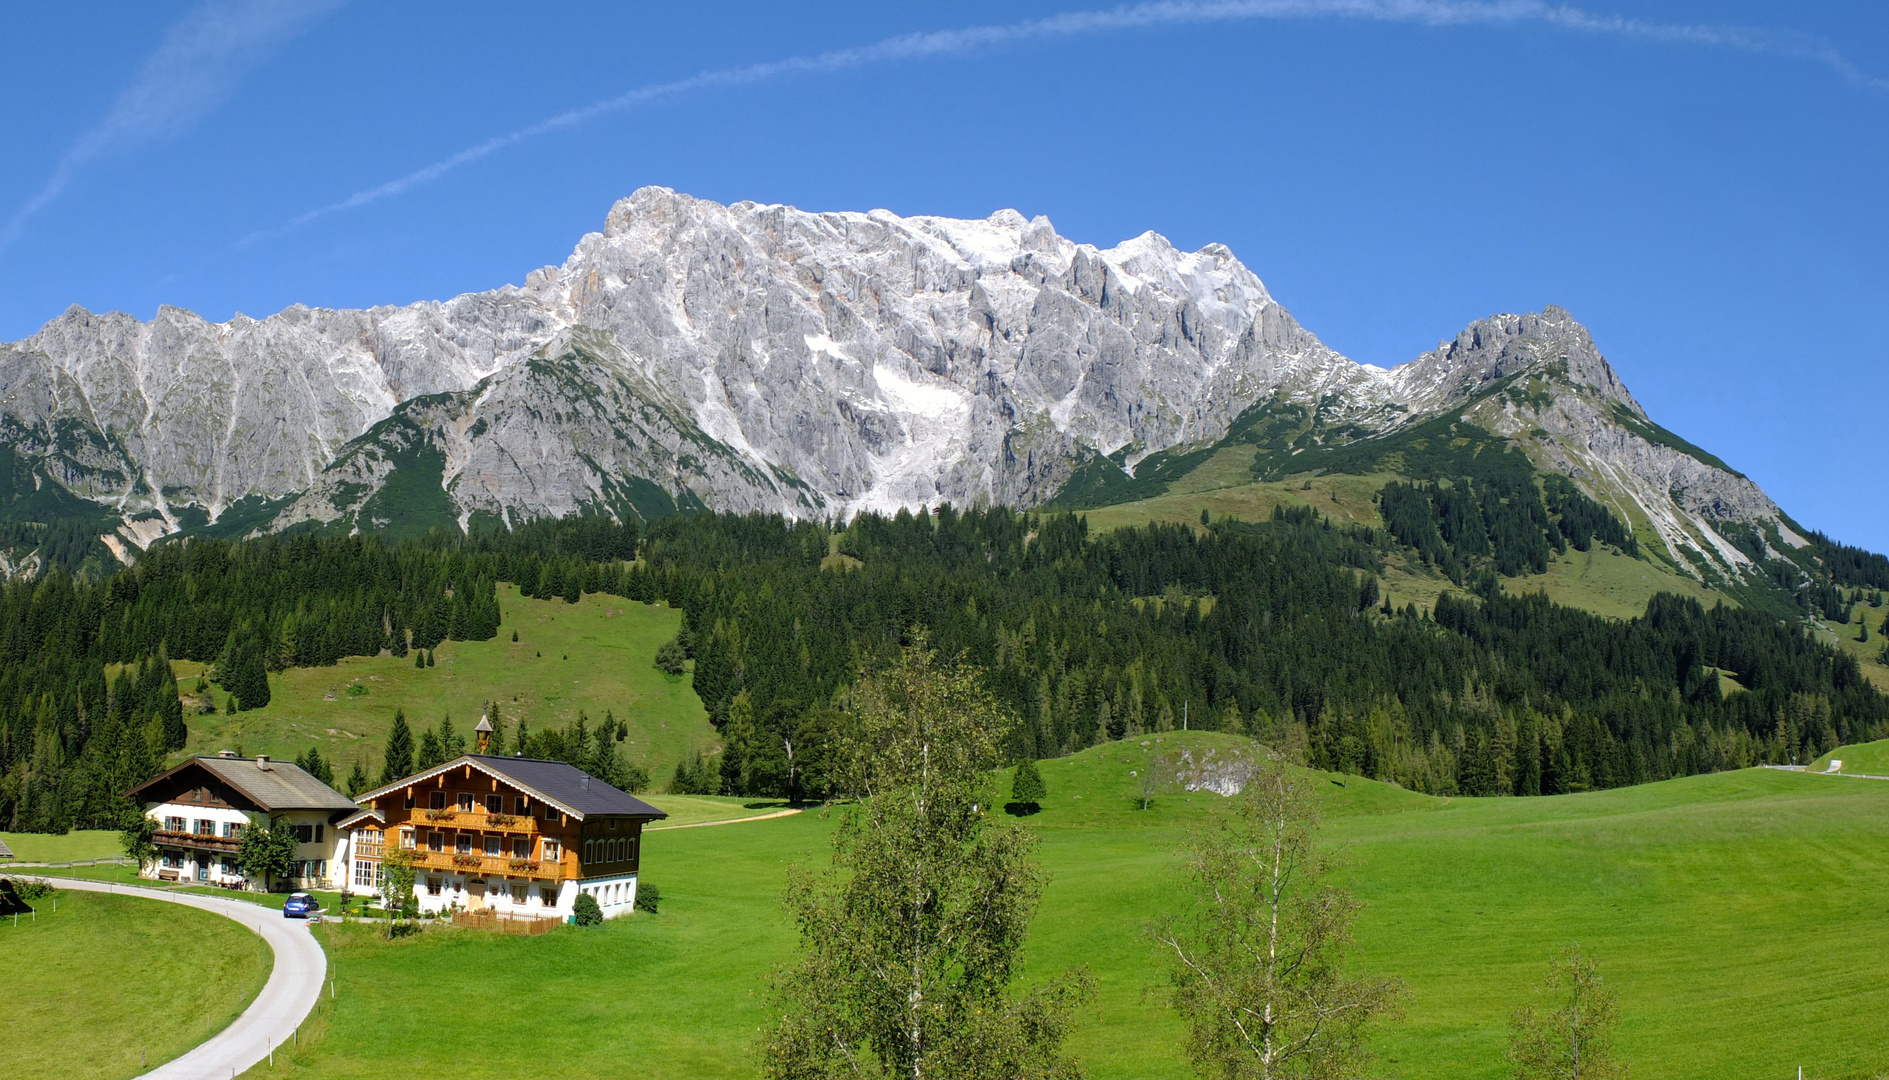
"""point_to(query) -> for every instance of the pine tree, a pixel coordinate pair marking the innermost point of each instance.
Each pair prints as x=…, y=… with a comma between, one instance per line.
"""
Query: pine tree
x=431, y=752
x=1026, y=789
x=399, y=758
x=419, y=658
x=313, y=764
x=357, y=779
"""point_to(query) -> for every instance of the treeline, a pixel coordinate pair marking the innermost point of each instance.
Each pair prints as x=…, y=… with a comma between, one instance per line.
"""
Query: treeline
x=1501, y=521
x=1271, y=628
x=73, y=740
x=1266, y=628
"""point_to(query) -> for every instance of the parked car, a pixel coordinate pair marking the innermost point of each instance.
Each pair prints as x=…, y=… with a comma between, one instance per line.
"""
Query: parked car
x=300, y=906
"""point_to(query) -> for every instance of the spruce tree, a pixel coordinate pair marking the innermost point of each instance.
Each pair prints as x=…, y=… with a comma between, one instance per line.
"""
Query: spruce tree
x=399, y=757
x=357, y=779
x=1026, y=789
x=431, y=752
x=314, y=765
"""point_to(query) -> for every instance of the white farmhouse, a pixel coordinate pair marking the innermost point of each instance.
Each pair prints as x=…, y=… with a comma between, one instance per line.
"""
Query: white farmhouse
x=202, y=806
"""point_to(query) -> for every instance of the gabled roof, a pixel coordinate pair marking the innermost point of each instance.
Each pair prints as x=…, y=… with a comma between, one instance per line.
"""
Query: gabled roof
x=356, y=820
x=558, y=783
x=274, y=786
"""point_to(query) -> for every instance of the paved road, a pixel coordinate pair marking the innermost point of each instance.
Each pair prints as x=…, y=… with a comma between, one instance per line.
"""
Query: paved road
x=293, y=988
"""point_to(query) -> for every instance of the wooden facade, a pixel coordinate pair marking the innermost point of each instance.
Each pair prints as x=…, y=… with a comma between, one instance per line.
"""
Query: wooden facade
x=484, y=839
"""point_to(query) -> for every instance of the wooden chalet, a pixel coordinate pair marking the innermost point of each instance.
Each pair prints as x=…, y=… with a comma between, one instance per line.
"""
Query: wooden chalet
x=202, y=806
x=517, y=837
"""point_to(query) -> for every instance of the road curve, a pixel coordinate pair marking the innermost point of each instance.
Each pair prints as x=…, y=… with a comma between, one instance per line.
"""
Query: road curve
x=293, y=988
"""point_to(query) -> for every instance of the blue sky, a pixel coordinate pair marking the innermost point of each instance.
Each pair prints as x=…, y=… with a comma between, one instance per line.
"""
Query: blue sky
x=1702, y=184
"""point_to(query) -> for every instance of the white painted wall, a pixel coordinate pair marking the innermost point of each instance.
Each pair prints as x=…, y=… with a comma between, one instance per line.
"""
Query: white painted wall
x=325, y=849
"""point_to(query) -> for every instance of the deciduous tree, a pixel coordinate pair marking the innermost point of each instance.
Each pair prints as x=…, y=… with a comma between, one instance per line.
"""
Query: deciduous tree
x=1569, y=1035
x=909, y=941
x=1260, y=959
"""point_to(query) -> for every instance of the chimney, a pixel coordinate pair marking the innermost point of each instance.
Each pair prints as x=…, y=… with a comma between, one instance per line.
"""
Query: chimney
x=226, y=753
x=262, y=761
x=584, y=783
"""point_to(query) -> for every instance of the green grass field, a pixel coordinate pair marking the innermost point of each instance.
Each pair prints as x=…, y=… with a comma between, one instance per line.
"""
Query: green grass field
x=596, y=656
x=75, y=846
x=87, y=988
x=697, y=809
x=1738, y=915
x=1871, y=757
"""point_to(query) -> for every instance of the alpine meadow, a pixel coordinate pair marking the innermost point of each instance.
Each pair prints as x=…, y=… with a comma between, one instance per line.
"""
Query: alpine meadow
x=786, y=638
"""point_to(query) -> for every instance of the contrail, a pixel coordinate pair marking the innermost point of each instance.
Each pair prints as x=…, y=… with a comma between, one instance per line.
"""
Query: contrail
x=1136, y=16
x=201, y=59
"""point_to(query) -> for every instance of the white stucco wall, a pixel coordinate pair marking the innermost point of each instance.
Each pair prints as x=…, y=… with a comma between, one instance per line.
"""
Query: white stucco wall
x=324, y=849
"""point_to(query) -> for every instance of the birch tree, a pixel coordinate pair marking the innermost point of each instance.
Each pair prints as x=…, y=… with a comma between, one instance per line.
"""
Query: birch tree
x=910, y=940
x=1259, y=962
x=1570, y=1037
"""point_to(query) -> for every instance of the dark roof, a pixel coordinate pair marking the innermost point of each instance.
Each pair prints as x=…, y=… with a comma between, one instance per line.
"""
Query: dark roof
x=563, y=785
x=272, y=785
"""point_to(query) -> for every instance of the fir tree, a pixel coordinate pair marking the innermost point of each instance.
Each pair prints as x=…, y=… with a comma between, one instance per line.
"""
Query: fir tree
x=398, y=762
x=313, y=764
x=1026, y=789
x=357, y=779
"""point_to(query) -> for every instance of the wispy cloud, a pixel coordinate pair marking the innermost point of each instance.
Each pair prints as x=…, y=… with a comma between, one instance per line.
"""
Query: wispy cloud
x=200, y=61
x=1157, y=13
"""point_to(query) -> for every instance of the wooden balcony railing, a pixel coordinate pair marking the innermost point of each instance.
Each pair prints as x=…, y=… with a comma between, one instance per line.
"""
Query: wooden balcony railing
x=462, y=863
x=472, y=819
x=195, y=840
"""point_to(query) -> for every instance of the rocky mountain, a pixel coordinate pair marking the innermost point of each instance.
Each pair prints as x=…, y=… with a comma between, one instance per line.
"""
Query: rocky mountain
x=753, y=357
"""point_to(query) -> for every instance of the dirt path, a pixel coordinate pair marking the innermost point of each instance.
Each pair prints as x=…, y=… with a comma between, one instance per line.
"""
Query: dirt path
x=724, y=821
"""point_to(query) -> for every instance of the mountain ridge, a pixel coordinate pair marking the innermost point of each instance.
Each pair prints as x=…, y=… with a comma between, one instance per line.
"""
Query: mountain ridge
x=761, y=358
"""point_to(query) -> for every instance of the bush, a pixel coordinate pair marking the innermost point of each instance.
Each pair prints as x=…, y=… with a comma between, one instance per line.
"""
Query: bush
x=30, y=889
x=670, y=657
x=586, y=912
x=648, y=897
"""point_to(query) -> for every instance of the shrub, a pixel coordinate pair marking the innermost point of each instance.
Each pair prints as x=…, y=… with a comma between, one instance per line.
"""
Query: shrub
x=648, y=897
x=30, y=888
x=670, y=657
x=586, y=912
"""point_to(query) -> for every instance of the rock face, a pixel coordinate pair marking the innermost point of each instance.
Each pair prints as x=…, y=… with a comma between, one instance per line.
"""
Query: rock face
x=752, y=357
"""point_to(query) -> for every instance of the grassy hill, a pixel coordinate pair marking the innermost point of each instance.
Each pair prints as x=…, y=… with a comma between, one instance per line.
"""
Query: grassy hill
x=593, y=656
x=89, y=986
x=1871, y=758
x=1735, y=913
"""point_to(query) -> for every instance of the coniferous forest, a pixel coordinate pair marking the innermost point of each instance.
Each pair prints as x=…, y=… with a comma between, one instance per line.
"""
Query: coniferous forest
x=1271, y=628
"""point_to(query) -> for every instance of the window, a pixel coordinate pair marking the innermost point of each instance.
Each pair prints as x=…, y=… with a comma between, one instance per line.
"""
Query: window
x=173, y=824
x=206, y=827
x=433, y=886
x=229, y=867
x=366, y=874
x=462, y=844
x=548, y=896
x=613, y=824
x=319, y=826
x=590, y=851
x=524, y=806
x=495, y=804
x=409, y=799
x=174, y=860
x=550, y=812
x=518, y=892
x=492, y=845
x=439, y=800
x=552, y=850
x=521, y=847
x=465, y=801
x=436, y=841
x=406, y=839
x=232, y=830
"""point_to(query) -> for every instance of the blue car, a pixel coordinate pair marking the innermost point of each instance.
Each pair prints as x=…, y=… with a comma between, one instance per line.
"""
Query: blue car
x=299, y=906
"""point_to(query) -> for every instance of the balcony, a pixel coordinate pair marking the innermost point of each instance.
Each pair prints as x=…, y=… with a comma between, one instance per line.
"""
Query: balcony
x=202, y=841
x=473, y=863
x=472, y=819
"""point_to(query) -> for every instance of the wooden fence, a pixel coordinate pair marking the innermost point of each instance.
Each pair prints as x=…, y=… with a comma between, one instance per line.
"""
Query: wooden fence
x=504, y=924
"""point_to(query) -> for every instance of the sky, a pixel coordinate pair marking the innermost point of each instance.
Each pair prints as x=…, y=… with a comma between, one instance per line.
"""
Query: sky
x=1701, y=184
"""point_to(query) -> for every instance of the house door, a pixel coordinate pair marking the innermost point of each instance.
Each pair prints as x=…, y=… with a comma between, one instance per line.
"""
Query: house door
x=475, y=895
